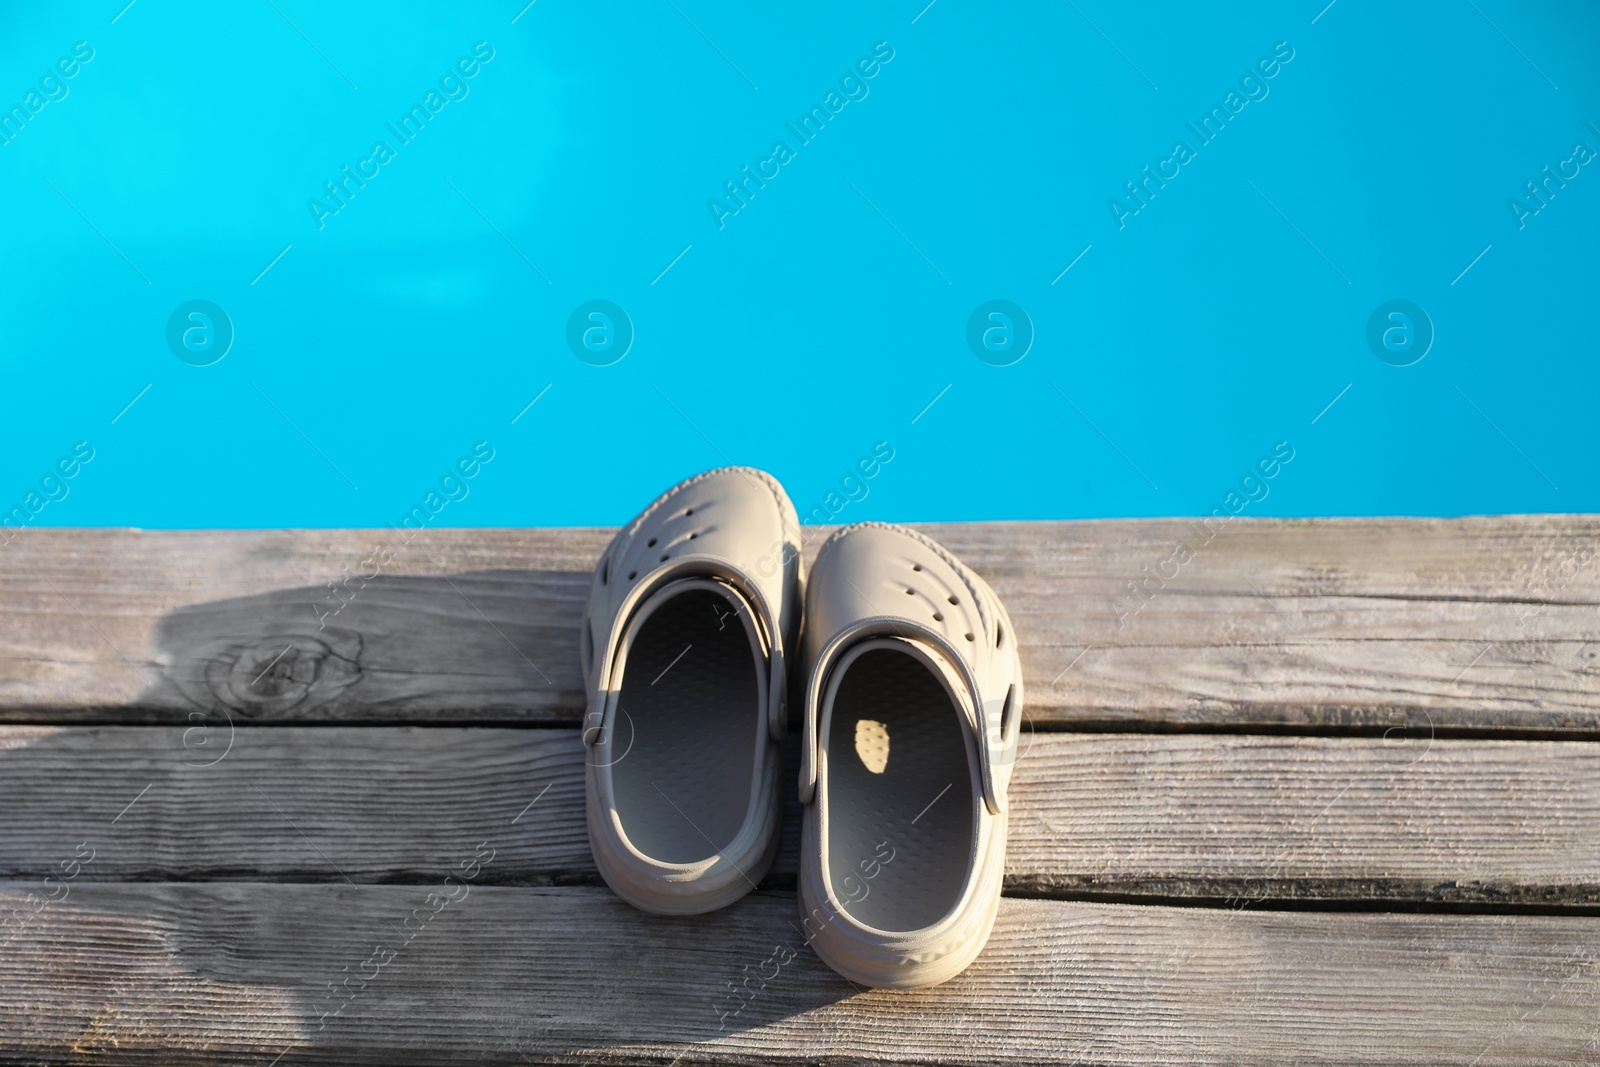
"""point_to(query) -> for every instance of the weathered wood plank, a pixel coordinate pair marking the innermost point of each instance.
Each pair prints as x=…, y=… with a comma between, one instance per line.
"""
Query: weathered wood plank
x=241, y=973
x=1500, y=823
x=1350, y=819
x=1482, y=623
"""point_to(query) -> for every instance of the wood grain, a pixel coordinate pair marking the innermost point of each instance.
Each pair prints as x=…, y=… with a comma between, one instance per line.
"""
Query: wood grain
x=1492, y=823
x=240, y=973
x=237, y=794
x=1483, y=623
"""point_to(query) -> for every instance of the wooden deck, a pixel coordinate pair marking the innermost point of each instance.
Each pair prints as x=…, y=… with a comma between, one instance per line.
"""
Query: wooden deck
x=1330, y=794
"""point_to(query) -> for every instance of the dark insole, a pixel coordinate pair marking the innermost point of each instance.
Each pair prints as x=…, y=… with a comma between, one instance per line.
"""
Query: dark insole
x=900, y=802
x=689, y=708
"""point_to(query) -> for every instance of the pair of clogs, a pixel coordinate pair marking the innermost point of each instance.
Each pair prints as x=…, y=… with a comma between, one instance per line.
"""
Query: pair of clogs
x=913, y=701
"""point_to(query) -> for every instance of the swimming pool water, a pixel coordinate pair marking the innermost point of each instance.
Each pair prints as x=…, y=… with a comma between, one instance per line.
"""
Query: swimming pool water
x=275, y=263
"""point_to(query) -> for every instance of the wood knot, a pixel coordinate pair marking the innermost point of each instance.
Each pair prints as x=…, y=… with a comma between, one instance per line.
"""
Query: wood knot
x=272, y=674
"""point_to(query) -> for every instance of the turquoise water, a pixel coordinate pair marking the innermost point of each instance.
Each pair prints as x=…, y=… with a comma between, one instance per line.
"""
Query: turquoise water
x=293, y=264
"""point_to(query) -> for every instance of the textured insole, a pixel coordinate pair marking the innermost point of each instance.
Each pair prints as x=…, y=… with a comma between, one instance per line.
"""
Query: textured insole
x=689, y=708
x=899, y=786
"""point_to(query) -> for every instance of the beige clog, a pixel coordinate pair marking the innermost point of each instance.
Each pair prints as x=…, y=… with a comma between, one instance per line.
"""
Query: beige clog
x=692, y=610
x=913, y=707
